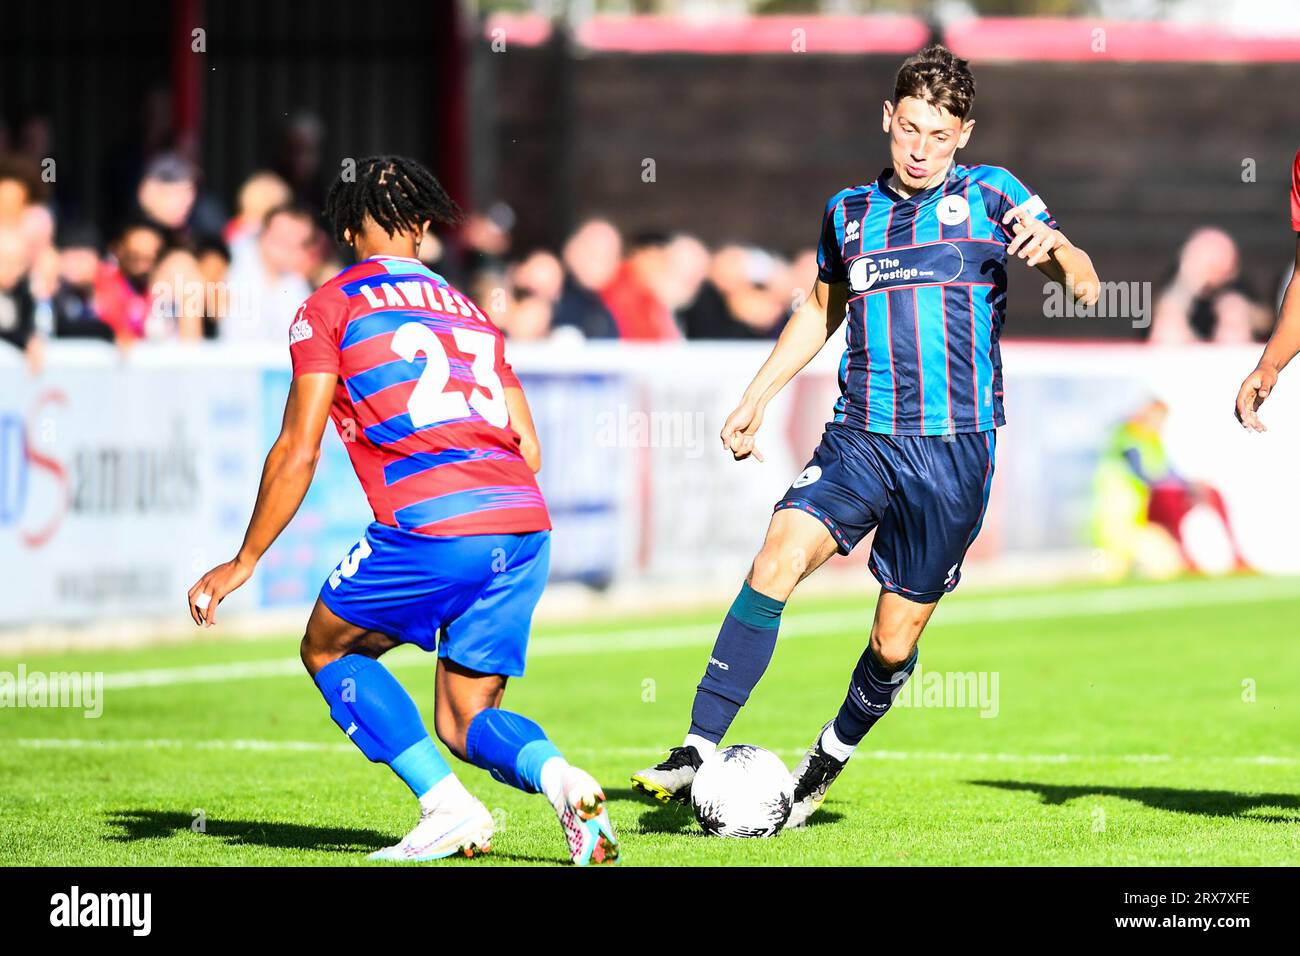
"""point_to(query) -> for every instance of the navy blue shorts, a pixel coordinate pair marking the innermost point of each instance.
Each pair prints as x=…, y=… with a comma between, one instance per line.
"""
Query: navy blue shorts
x=469, y=597
x=925, y=495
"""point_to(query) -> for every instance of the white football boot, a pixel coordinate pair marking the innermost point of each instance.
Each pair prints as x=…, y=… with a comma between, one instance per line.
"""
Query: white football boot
x=452, y=826
x=812, y=778
x=580, y=808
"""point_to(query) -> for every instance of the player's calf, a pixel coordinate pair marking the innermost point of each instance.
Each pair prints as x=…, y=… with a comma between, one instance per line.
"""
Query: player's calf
x=872, y=689
x=796, y=545
x=516, y=751
x=740, y=655
x=377, y=714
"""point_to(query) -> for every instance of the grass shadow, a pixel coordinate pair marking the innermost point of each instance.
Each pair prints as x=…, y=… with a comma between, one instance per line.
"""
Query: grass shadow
x=147, y=824
x=822, y=817
x=679, y=818
x=1212, y=803
x=158, y=824
x=674, y=817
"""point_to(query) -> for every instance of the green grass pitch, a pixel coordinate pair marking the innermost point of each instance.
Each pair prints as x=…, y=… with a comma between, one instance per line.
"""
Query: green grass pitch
x=1141, y=724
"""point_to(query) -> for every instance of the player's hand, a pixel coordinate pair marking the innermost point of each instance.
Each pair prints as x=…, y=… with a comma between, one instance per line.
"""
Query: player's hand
x=1033, y=240
x=738, y=432
x=1252, y=394
x=212, y=588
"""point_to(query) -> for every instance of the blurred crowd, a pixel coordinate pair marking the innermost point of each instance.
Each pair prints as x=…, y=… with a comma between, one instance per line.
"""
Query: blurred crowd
x=170, y=263
x=1207, y=299
x=173, y=265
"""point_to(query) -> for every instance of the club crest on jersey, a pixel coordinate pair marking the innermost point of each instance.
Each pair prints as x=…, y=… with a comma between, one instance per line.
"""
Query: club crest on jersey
x=953, y=210
x=808, y=476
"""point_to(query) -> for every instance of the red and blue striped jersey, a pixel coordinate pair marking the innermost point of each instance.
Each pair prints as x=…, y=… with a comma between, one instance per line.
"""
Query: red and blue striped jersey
x=1295, y=192
x=420, y=402
x=927, y=287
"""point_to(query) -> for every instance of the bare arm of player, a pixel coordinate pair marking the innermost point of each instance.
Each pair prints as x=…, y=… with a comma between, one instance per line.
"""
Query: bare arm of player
x=812, y=324
x=287, y=474
x=1282, y=347
x=1053, y=255
x=521, y=420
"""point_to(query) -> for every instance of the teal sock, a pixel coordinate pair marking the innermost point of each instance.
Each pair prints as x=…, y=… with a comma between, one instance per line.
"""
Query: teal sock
x=740, y=655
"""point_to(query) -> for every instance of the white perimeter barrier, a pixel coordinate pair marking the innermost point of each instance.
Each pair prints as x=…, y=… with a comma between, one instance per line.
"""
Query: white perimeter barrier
x=123, y=479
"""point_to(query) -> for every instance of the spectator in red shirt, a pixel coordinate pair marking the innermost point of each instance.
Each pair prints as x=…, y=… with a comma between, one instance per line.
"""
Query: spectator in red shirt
x=636, y=296
x=122, y=293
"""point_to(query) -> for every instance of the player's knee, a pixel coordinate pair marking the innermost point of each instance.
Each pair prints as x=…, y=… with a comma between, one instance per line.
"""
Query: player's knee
x=776, y=570
x=892, y=646
x=316, y=654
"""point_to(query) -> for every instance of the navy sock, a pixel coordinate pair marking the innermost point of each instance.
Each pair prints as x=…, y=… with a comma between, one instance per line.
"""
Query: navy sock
x=740, y=656
x=510, y=747
x=871, y=690
x=378, y=715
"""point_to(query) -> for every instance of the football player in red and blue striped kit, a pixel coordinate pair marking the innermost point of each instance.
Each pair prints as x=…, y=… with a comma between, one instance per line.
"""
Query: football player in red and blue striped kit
x=415, y=378
x=913, y=264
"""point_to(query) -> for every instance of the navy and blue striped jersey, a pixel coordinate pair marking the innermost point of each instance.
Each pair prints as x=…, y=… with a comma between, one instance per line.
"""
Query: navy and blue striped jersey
x=927, y=288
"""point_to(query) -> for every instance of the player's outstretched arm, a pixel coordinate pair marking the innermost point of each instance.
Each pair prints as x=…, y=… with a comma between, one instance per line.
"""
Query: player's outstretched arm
x=521, y=420
x=1281, y=349
x=287, y=474
x=1053, y=255
x=812, y=324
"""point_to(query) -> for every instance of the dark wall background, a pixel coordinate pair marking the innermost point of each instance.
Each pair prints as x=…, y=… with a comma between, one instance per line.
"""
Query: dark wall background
x=1129, y=157
x=91, y=68
x=113, y=78
x=370, y=72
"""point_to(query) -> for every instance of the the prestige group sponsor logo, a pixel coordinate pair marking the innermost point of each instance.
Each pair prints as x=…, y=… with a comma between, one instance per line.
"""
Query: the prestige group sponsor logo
x=931, y=264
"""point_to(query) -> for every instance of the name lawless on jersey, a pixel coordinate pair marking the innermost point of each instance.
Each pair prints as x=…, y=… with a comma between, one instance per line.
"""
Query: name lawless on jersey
x=928, y=264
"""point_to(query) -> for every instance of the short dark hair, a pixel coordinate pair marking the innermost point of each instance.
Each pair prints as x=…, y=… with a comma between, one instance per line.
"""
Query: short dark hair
x=292, y=210
x=25, y=172
x=214, y=245
x=938, y=77
x=398, y=193
x=141, y=225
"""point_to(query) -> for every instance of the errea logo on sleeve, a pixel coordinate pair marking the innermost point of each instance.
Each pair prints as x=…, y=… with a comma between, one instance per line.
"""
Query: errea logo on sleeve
x=301, y=328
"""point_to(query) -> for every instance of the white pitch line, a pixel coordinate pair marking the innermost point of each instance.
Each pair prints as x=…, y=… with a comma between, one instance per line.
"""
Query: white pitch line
x=1202, y=593
x=937, y=756
x=203, y=673
x=82, y=743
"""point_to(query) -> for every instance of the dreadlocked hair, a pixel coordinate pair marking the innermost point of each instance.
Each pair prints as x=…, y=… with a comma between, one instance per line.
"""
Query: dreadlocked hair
x=398, y=193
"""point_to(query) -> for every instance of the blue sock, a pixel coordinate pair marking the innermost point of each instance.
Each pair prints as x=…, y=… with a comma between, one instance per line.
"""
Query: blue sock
x=871, y=690
x=740, y=656
x=510, y=747
x=378, y=715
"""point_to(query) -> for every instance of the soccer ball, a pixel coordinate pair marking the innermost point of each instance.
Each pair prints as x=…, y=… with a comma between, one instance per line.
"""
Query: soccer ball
x=742, y=791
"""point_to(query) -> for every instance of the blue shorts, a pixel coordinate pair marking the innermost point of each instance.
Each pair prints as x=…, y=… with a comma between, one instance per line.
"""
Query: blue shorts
x=925, y=495
x=469, y=597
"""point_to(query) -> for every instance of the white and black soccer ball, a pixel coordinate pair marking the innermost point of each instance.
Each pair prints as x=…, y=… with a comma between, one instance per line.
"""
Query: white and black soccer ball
x=742, y=791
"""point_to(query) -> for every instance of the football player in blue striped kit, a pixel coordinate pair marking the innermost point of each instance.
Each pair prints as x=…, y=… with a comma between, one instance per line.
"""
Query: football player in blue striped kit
x=915, y=261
